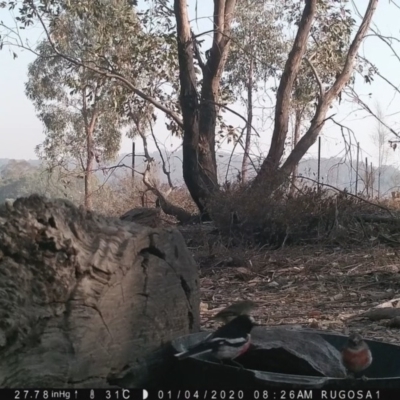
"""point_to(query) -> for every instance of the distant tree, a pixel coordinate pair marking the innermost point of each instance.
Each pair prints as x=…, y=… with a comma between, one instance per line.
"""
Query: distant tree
x=15, y=169
x=22, y=178
x=80, y=110
x=380, y=138
x=14, y=179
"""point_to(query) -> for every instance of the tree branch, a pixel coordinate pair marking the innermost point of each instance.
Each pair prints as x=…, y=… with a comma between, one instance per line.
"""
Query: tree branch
x=357, y=99
x=345, y=193
x=197, y=52
x=284, y=93
x=237, y=114
x=347, y=70
x=317, y=78
x=164, y=167
x=324, y=103
x=380, y=75
x=223, y=14
x=185, y=53
x=170, y=209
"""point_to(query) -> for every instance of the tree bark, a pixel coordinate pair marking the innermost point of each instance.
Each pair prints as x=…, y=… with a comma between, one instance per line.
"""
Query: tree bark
x=200, y=112
x=88, y=301
x=246, y=156
x=284, y=94
x=327, y=98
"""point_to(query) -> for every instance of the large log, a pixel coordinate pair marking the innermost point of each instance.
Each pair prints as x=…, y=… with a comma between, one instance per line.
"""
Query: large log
x=143, y=216
x=89, y=301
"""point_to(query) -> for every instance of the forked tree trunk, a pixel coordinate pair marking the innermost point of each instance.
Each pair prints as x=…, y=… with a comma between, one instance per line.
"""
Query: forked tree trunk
x=199, y=112
x=284, y=94
x=270, y=166
x=88, y=301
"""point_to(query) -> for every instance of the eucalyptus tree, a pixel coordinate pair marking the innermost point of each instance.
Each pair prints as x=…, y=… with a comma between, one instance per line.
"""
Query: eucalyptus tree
x=80, y=110
x=329, y=25
x=84, y=112
x=321, y=65
x=199, y=93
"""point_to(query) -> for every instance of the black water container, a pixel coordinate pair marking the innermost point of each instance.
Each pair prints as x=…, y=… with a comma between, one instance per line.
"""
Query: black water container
x=269, y=370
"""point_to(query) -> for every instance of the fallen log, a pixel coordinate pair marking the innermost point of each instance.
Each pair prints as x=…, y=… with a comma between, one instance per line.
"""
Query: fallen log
x=89, y=301
x=143, y=216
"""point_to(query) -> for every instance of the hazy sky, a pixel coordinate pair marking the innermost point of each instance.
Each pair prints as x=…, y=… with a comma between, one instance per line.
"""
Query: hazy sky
x=21, y=131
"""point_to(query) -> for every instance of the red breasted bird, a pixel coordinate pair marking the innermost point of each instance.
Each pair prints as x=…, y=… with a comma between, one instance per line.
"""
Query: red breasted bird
x=356, y=355
x=240, y=308
x=226, y=343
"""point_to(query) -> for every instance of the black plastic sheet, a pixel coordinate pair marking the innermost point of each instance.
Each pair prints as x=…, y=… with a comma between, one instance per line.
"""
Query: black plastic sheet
x=290, y=358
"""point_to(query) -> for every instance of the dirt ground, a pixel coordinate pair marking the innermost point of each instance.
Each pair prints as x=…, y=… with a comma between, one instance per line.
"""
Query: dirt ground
x=320, y=287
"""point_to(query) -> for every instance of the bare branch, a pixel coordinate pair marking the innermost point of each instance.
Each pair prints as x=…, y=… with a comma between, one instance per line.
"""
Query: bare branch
x=393, y=2
x=237, y=114
x=347, y=70
x=114, y=167
x=380, y=75
x=358, y=100
x=181, y=214
x=317, y=78
x=164, y=167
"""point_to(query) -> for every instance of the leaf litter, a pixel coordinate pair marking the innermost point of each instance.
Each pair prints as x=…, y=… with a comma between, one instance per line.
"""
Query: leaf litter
x=329, y=288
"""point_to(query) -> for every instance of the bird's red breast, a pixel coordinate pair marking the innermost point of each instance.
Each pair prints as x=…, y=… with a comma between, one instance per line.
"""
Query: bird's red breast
x=356, y=360
x=244, y=348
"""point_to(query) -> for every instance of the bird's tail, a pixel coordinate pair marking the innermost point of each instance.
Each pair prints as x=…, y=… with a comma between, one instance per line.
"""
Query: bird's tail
x=195, y=351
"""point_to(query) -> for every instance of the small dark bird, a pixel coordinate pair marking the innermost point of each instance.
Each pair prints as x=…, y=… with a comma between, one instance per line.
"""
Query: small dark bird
x=240, y=308
x=226, y=343
x=356, y=355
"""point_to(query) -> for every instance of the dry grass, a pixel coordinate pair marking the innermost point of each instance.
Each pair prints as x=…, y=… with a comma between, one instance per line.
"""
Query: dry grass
x=116, y=200
x=309, y=217
x=123, y=196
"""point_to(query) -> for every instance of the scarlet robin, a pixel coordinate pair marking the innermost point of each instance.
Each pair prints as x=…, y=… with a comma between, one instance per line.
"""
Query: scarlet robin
x=356, y=355
x=226, y=343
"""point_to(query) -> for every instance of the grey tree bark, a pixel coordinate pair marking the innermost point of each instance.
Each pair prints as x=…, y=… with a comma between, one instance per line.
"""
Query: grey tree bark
x=89, y=301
